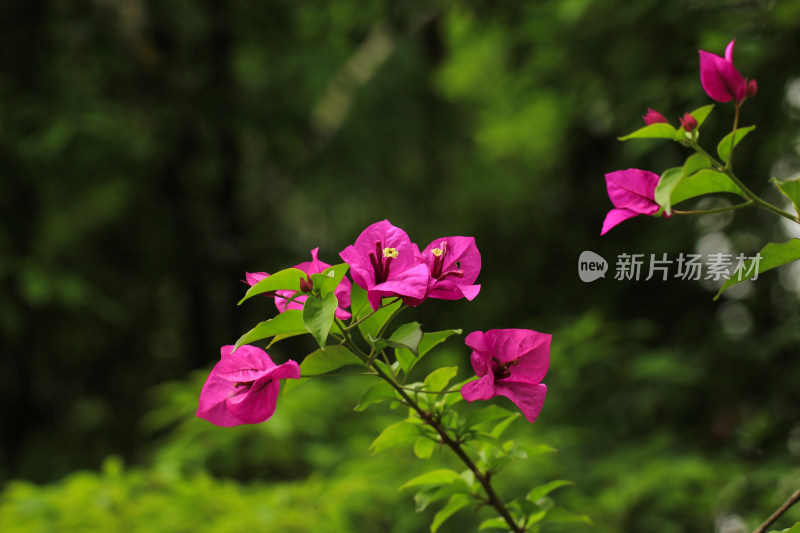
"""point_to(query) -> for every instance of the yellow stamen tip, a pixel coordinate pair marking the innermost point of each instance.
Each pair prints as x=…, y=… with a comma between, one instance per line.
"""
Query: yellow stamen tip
x=437, y=252
x=391, y=252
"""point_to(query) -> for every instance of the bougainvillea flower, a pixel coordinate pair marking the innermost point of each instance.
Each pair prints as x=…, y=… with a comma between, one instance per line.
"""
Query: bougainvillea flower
x=632, y=192
x=654, y=117
x=719, y=77
x=454, y=264
x=383, y=261
x=243, y=387
x=315, y=266
x=688, y=122
x=510, y=363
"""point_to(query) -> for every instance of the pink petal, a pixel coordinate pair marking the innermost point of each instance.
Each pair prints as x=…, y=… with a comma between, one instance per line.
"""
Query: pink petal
x=410, y=284
x=480, y=389
x=729, y=52
x=475, y=341
x=248, y=363
x=227, y=401
x=255, y=277
x=633, y=189
x=529, y=398
x=719, y=77
x=481, y=362
x=315, y=266
x=258, y=404
x=212, y=404
x=510, y=344
x=532, y=365
x=614, y=217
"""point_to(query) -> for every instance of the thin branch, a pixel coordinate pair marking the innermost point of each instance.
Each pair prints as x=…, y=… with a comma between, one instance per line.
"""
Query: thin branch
x=793, y=499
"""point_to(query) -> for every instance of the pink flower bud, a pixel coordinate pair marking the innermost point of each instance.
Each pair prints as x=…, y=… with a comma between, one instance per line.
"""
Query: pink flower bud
x=752, y=89
x=688, y=122
x=306, y=285
x=654, y=117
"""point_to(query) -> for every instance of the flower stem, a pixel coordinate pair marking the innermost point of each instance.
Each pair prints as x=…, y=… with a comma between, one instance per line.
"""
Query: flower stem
x=429, y=391
x=729, y=164
x=716, y=210
x=434, y=421
x=793, y=499
x=363, y=318
x=747, y=192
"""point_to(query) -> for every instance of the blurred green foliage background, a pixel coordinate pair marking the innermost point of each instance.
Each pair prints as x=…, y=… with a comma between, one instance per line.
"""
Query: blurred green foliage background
x=152, y=152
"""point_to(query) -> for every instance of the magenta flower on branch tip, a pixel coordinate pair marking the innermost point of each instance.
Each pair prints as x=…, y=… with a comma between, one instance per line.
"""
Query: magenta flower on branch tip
x=243, y=387
x=510, y=363
x=315, y=266
x=654, y=117
x=632, y=192
x=454, y=264
x=383, y=261
x=720, y=78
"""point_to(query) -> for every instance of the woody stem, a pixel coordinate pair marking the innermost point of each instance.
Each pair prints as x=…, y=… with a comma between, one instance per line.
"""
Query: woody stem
x=435, y=422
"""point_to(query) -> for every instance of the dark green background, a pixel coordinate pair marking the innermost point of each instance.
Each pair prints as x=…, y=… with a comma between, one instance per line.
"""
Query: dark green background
x=152, y=152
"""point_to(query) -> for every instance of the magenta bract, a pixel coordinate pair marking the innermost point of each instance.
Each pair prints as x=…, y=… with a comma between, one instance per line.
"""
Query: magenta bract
x=383, y=261
x=654, y=117
x=454, y=264
x=315, y=266
x=632, y=192
x=243, y=387
x=720, y=78
x=688, y=122
x=510, y=363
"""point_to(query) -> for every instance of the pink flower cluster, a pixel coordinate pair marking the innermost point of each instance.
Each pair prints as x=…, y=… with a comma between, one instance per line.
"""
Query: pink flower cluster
x=632, y=191
x=243, y=387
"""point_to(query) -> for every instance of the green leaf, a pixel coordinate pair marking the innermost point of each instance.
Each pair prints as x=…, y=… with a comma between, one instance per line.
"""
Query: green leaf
x=332, y=358
x=772, y=255
x=430, y=340
x=705, y=181
x=538, y=449
x=543, y=490
x=724, y=146
x=669, y=180
x=442, y=476
x=439, y=378
x=653, y=131
x=405, y=358
x=432, y=494
x=397, y=433
x=318, y=315
x=406, y=336
x=494, y=523
x=694, y=163
x=424, y=447
x=326, y=281
x=288, y=279
x=358, y=302
x=794, y=529
x=427, y=343
x=500, y=428
x=559, y=514
x=373, y=325
x=377, y=392
x=486, y=414
x=791, y=190
x=456, y=502
x=286, y=324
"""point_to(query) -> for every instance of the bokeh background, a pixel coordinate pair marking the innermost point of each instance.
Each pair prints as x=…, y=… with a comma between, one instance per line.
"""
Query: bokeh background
x=152, y=152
